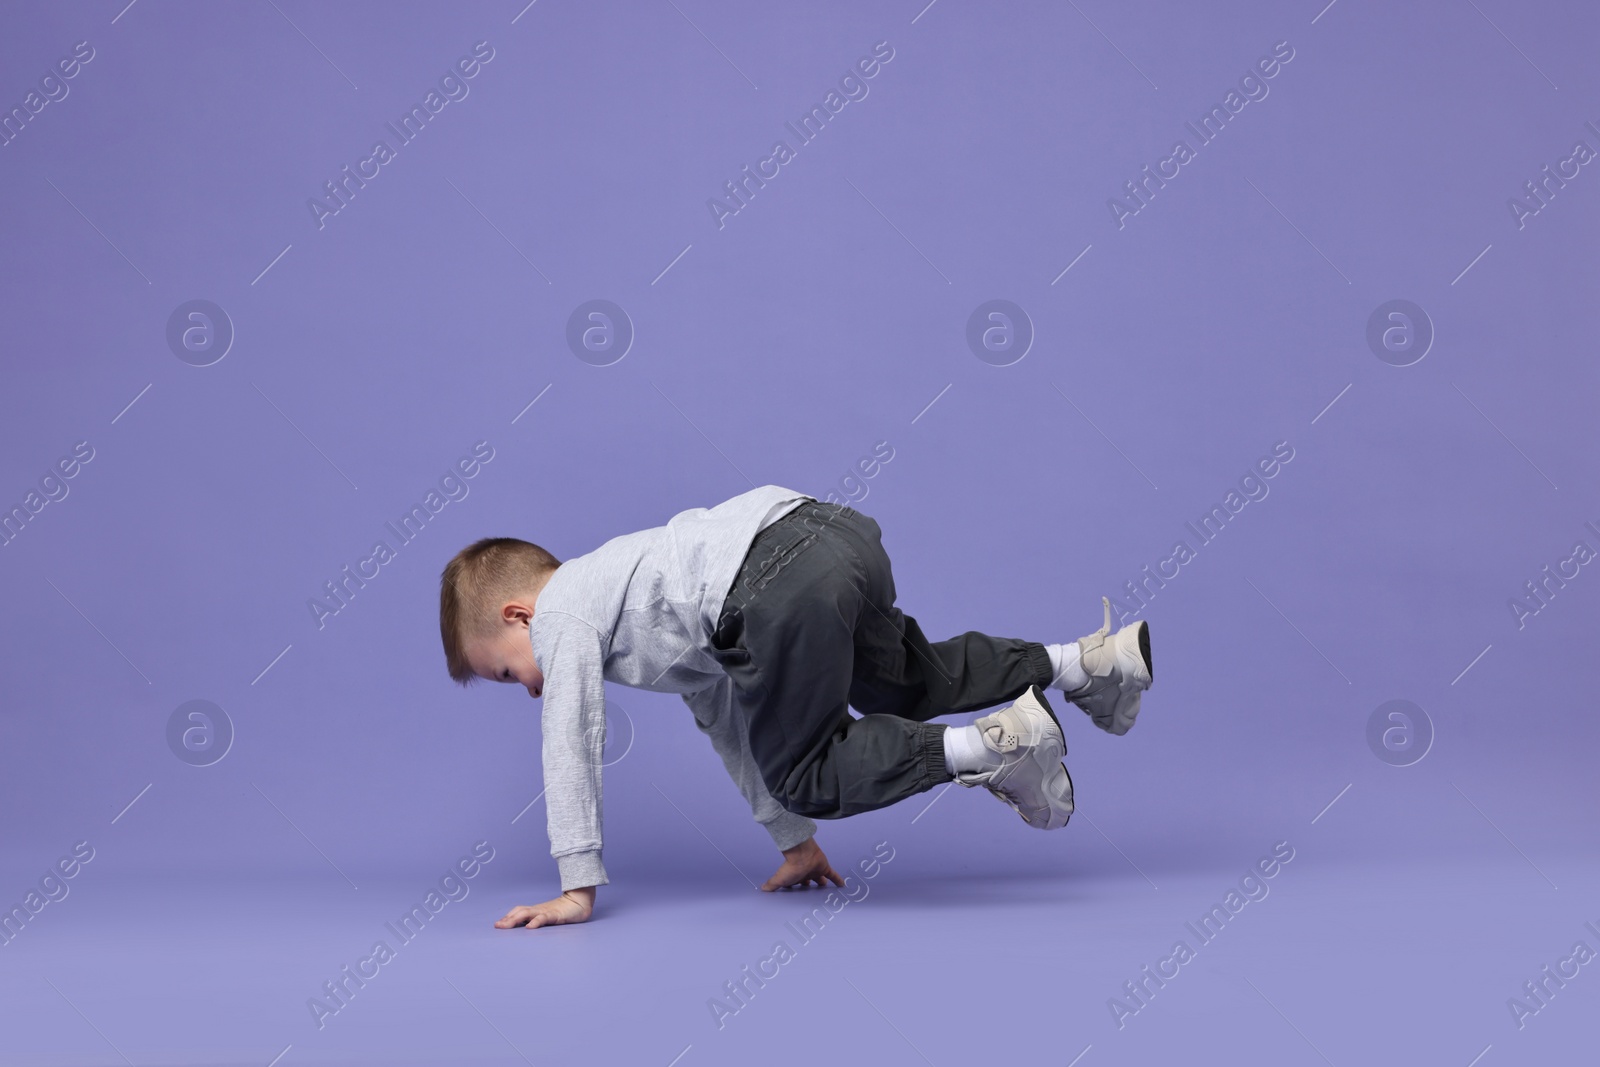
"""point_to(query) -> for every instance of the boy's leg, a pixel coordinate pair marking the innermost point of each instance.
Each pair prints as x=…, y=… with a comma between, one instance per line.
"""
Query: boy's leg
x=898, y=671
x=787, y=637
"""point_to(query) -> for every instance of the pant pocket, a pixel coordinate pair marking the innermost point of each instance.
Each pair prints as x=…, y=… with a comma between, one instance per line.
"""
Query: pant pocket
x=781, y=549
x=730, y=626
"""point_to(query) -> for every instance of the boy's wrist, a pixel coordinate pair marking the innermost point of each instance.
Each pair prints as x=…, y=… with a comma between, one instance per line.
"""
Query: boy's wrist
x=789, y=830
x=581, y=870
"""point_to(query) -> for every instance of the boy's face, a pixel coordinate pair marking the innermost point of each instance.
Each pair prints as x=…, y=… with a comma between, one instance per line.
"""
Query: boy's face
x=507, y=656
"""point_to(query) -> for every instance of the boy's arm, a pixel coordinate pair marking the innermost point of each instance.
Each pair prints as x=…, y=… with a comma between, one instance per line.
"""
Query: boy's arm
x=573, y=727
x=718, y=717
x=573, y=724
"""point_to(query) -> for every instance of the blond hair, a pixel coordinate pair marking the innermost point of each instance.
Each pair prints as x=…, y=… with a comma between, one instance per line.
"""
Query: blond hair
x=475, y=583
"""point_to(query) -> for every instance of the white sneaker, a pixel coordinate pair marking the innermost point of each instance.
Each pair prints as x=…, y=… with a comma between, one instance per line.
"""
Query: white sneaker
x=1031, y=777
x=1119, y=670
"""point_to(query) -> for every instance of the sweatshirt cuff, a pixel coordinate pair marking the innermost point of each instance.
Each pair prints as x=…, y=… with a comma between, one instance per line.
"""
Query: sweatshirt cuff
x=789, y=830
x=579, y=869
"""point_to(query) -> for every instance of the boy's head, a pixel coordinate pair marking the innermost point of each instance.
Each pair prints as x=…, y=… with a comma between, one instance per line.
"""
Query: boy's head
x=486, y=599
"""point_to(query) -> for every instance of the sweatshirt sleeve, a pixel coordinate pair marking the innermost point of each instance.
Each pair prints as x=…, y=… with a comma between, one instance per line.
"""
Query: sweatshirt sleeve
x=719, y=718
x=573, y=725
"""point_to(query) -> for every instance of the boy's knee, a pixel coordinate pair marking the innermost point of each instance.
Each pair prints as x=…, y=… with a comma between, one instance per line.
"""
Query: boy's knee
x=797, y=798
x=811, y=809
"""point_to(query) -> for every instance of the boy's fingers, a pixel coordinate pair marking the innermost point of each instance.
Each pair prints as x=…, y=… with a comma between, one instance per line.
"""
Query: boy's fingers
x=523, y=913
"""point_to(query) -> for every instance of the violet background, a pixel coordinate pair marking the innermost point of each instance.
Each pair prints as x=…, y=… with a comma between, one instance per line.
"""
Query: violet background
x=829, y=314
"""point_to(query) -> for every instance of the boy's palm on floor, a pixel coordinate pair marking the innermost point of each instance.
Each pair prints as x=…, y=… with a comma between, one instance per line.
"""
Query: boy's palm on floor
x=803, y=864
x=573, y=906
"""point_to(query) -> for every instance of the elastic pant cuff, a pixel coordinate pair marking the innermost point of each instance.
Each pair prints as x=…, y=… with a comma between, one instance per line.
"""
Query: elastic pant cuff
x=1039, y=660
x=930, y=754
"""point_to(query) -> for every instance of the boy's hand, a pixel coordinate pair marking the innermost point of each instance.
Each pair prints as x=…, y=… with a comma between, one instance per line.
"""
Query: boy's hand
x=573, y=906
x=802, y=865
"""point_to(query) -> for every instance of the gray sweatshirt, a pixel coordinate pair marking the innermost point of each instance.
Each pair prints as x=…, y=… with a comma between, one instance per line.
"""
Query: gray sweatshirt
x=639, y=611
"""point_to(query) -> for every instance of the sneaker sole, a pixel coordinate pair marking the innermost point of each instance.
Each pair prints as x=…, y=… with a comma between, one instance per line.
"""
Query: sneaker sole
x=1144, y=650
x=1038, y=694
x=1141, y=634
x=1044, y=702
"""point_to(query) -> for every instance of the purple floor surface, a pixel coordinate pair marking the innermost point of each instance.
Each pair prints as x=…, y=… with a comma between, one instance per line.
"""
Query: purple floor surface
x=1273, y=321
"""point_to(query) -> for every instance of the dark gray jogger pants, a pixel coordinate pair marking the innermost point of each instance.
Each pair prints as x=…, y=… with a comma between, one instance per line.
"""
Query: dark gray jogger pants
x=809, y=629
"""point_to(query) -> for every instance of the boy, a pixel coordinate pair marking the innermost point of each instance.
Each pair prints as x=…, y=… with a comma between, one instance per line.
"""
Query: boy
x=772, y=614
